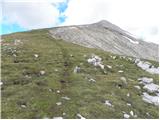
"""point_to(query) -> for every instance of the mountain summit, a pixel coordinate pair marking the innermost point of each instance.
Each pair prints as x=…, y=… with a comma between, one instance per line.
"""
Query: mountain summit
x=108, y=37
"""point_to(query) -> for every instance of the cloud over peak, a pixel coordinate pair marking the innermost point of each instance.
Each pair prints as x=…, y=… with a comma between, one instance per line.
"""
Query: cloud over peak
x=136, y=16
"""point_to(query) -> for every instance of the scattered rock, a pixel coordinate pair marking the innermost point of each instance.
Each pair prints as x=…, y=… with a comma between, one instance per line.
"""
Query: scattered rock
x=151, y=87
x=23, y=106
x=71, y=55
x=119, y=85
x=113, y=57
x=124, y=80
x=77, y=69
x=148, y=114
x=131, y=113
x=42, y=72
x=36, y=55
x=58, y=91
x=14, y=55
x=63, y=114
x=120, y=65
x=123, y=57
x=80, y=116
x=105, y=72
x=123, y=112
x=101, y=66
x=120, y=71
x=157, y=94
x=96, y=61
x=92, y=80
x=150, y=99
x=66, y=98
x=107, y=102
x=22, y=103
x=135, y=116
x=108, y=66
x=126, y=116
x=1, y=83
x=81, y=63
x=145, y=80
x=147, y=66
x=128, y=95
x=56, y=70
x=50, y=90
x=59, y=103
x=128, y=104
x=129, y=58
x=137, y=87
x=85, y=56
x=27, y=76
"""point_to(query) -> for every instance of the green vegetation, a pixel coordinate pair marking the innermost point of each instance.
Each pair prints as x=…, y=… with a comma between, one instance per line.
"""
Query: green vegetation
x=24, y=85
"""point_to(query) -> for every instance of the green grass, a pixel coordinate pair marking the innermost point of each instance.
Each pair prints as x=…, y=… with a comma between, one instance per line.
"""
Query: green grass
x=22, y=83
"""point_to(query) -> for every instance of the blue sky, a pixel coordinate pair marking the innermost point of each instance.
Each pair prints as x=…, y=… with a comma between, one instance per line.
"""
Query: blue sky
x=62, y=7
x=10, y=28
x=22, y=15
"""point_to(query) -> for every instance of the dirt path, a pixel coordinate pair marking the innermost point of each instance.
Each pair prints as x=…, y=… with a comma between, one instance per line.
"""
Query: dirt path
x=66, y=65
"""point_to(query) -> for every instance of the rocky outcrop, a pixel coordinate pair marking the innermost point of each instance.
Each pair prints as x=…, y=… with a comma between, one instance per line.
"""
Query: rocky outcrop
x=108, y=37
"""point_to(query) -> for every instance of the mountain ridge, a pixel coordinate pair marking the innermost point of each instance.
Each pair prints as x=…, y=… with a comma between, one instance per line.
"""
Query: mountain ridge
x=108, y=37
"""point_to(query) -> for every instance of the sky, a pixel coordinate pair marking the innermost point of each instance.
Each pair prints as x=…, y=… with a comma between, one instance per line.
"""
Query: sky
x=140, y=17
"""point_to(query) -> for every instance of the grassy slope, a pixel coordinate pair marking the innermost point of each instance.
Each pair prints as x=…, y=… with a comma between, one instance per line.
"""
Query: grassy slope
x=39, y=92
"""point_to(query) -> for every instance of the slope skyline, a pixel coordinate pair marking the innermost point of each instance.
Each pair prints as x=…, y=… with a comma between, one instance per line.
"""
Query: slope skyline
x=20, y=16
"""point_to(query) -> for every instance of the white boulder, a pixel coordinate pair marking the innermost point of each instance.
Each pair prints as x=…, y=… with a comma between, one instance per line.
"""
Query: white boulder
x=137, y=87
x=96, y=61
x=23, y=106
x=36, y=55
x=92, y=80
x=77, y=69
x=107, y=102
x=42, y=72
x=150, y=99
x=110, y=67
x=126, y=116
x=80, y=116
x=66, y=98
x=59, y=103
x=58, y=91
x=128, y=104
x=147, y=66
x=120, y=71
x=145, y=80
x=1, y=83
x=151, y=87
x=131, y=113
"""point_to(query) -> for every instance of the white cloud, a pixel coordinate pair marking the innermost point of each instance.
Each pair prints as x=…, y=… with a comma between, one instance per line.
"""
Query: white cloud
x=31, y=15
x=86, y=11
x=44, y=1
x=135, y=16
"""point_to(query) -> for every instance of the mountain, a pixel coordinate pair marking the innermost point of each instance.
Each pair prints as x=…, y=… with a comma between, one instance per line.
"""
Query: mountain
x=46, y=77
x=108, y=37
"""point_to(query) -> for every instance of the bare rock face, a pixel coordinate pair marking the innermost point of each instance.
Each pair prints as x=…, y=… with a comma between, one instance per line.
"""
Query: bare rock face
x=108, y=37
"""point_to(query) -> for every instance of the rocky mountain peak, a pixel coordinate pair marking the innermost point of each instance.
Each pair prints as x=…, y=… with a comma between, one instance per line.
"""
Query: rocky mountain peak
x=108, y=37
